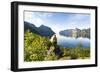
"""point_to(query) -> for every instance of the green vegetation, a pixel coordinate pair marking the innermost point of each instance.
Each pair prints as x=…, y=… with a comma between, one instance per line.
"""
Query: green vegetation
x=35, y=46
x=39, y=48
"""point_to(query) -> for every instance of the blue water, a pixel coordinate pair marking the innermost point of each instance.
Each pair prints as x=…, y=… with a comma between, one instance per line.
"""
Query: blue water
x=72, y=42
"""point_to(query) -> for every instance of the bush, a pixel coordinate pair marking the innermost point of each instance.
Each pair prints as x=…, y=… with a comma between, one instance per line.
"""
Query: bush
x=35, y=46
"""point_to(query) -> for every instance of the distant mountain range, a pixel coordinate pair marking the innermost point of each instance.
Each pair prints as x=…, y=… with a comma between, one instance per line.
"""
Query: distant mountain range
x=76, y=32
x=42, y=30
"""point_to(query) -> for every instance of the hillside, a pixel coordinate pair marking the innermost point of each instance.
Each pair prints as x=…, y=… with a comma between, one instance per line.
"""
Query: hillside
x=42, y=30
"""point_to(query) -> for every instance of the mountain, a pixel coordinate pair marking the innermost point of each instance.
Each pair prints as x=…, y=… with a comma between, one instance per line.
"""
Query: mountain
x=85, y=32
x=46, y=30
x=66, y=32
x=42, y=30
x=76, y=32
x=31, y=27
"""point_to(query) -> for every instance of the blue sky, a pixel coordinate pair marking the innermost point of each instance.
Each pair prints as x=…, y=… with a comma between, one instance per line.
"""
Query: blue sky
x=58, y=21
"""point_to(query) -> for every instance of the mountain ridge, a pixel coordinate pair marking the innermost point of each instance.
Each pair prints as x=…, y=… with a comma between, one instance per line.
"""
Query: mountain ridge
x=76, y=32
x=42, y=30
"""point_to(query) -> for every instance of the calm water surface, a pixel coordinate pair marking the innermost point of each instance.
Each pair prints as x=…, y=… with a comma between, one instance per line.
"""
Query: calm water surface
x=72, y=42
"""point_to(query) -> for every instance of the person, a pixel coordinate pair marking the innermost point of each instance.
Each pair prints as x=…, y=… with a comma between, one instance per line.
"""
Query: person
x=58, y=52
x=53, y=49
x=55, y=40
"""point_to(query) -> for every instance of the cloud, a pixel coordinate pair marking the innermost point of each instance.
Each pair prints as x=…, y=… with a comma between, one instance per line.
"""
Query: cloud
x=79, y=17
x=43, y=14
x=38, y=21
x=78, y=21
x=28, y=16
x=32, y=18
x=58, y=21
x=37, y=18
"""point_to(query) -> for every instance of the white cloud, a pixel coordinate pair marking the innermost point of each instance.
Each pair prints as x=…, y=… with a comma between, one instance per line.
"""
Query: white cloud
x=37, y=18
x=27, y=16
x=38, y=21
x=30, y=17
x=81, y=16
x=44, y=15
x=80, y=21
x=48, y=14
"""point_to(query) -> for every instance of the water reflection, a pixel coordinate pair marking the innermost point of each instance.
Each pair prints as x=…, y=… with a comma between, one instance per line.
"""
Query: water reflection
x=86, y=36
x=72, y=42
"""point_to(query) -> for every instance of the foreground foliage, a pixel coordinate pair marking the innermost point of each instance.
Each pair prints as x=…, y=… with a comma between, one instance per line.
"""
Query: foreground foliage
x=39, y=48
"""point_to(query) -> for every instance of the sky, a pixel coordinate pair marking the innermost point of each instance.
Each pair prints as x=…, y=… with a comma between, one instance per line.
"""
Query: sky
x=58, y=21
